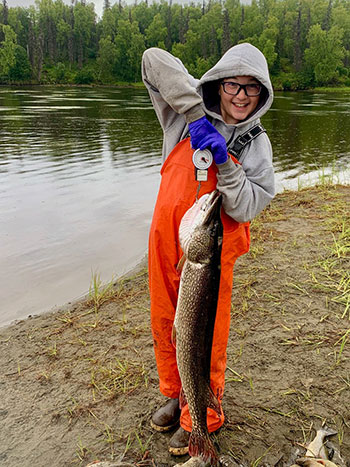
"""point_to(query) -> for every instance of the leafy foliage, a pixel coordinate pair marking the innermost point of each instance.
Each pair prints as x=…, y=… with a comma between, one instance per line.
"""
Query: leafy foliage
x=306, y=43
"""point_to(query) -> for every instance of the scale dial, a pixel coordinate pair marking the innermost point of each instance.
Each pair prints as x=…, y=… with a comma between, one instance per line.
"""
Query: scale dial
x=202, y=160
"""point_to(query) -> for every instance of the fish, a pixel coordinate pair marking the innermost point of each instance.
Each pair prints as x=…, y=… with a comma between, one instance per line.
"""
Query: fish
x=200, y=236
x=316, y=448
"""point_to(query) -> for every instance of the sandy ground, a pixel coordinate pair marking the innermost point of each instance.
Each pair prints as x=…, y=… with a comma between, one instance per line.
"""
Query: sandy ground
x=81, y=384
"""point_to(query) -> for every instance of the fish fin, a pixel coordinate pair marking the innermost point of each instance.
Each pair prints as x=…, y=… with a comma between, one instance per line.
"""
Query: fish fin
x=202, y=446
x=326, y=431
x=214, y=402
x=182, y=399
x=173, y=336
x=180, y=264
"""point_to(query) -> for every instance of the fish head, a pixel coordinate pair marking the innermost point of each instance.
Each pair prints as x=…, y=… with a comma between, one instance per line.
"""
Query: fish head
x=200, y=228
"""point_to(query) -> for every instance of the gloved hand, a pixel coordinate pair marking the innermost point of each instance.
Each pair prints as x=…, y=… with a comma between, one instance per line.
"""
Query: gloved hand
x=205, y=135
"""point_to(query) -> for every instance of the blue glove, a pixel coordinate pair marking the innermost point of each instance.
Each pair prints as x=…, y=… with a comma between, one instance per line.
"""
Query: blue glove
x=205, y=135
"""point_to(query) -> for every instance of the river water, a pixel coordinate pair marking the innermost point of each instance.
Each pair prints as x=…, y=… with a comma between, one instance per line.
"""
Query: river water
x=79, y=174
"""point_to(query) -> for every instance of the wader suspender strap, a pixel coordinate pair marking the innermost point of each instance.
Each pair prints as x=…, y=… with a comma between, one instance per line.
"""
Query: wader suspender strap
x=236, y=147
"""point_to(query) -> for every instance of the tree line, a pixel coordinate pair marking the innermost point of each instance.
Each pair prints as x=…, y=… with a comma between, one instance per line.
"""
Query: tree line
x=306, y=42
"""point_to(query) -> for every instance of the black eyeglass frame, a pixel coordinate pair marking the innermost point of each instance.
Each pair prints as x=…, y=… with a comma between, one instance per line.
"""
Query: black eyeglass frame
x=241, y=86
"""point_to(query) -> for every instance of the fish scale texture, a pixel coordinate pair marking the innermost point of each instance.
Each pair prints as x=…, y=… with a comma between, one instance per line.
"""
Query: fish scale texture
x=195, y=304
x=200, y=237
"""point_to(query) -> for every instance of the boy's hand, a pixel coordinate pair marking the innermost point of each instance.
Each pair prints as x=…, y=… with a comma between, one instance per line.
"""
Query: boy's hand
x=204, y=135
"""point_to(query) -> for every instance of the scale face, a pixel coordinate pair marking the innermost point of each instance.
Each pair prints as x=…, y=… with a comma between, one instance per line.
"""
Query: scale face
x=202, y=160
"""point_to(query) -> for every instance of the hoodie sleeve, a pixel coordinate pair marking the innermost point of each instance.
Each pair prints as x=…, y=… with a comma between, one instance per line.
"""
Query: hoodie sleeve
x=171, y=88
x=248, y=188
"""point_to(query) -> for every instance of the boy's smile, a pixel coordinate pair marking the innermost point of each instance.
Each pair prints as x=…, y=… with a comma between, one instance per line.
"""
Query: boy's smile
x=237, y=108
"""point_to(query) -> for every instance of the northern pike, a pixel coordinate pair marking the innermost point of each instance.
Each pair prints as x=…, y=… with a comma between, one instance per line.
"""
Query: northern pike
x=200, y=235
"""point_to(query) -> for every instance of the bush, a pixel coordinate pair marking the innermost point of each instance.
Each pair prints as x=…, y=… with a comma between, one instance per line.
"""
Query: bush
x=292, y=81
x=84, y=76
x=58, y=74
x=21, y=70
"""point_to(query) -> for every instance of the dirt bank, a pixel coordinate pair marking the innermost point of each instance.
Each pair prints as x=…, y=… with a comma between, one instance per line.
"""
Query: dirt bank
x=81, y=384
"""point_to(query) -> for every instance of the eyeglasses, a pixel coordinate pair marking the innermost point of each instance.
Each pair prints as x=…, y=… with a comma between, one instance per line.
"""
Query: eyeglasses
x=233, y=89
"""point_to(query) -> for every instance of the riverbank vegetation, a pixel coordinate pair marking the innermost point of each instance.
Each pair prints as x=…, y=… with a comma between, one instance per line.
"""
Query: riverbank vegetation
x=81, y=384
x=306, y=43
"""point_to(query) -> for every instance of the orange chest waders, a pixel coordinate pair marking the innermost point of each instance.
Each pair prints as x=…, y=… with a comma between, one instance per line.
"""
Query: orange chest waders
x=177, y=193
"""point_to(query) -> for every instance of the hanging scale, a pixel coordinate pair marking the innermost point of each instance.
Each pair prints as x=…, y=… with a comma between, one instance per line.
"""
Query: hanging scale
x=202, y=160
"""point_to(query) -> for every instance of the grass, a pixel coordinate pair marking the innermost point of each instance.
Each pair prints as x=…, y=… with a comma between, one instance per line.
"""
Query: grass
x=342, y=341
x=120, y=377
x=323, y=276
x=99, y=292
x=325, y=176
x=291, y=304
x=257, y=462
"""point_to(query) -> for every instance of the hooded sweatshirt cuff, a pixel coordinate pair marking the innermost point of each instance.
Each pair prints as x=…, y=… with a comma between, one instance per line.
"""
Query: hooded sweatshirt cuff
x=228, y=167
x=194, y=113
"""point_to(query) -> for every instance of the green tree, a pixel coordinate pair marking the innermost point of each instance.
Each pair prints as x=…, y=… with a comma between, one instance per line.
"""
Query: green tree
x=106, y=59
x=108, y=24
x=47, y=27
x=268, y=40
x=19, y=19
x=226, y=35
x=144, y=14
x=130, y=46
x=324, y=54
x=253, y=24
x=63, y=32
x=341, y=18
x=21, y=69
x=7, y=49
x=156, y=33
x=84, y=29
x=4, y=12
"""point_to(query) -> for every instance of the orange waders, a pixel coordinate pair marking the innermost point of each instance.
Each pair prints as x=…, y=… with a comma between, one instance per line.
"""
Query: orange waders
x=177, y=193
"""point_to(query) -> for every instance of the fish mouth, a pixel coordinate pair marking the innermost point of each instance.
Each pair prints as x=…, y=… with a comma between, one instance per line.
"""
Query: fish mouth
x=205, y=209
x=211, y=206
x=201, y=214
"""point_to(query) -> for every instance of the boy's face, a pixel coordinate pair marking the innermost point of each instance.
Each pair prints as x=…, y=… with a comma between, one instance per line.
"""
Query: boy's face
x=236, y=108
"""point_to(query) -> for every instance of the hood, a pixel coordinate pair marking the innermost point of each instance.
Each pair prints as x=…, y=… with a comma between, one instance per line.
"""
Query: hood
x=239, y=60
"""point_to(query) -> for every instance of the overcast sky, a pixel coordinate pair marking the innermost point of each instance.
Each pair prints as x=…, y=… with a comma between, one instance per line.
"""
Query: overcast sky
x=98, y=3
x=25, y=3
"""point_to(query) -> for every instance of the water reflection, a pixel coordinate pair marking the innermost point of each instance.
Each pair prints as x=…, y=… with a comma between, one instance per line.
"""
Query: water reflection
x=79, y=173
x=309, y=131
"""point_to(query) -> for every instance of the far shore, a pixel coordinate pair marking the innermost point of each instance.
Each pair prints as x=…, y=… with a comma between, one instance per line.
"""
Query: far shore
x=139, y=84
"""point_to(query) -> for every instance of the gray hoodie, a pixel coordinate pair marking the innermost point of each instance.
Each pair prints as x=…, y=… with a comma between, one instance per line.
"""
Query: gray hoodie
x=179, y=99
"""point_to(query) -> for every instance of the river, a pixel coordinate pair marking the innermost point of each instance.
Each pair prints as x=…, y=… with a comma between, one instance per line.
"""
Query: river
x=79, y=173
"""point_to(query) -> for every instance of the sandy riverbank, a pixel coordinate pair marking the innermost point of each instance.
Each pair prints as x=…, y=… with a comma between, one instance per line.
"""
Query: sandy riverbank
x=80, y=384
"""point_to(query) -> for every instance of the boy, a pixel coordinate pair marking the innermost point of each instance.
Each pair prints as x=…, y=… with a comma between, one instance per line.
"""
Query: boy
x=226, y=103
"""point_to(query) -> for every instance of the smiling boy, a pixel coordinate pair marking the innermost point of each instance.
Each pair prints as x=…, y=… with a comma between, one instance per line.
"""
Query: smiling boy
x=221, y=112
x=239, y=97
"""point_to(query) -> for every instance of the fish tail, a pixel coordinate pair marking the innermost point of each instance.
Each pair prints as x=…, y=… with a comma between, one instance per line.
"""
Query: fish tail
x=202, y=446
